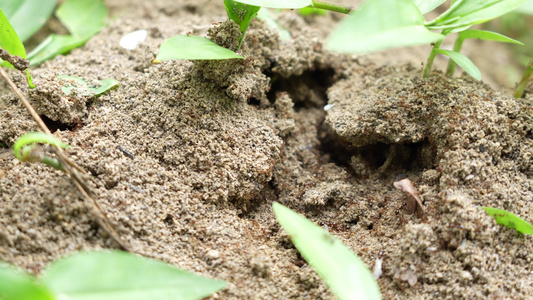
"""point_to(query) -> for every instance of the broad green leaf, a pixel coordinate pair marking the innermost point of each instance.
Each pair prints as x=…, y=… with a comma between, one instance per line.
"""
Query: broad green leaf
x=83, y=18
x=487, y=35
x=426, y=6
x=346, y=275
x=18, y=285
x=379, y=25
x=105, y=85
x=36, y=137
x=27, y=16
x=463, y=61
x=510, y=220
x=193, y=47
x=470, y=12
x=265, y=16
x=279, y=3
x=242, y=14
x=119, y=275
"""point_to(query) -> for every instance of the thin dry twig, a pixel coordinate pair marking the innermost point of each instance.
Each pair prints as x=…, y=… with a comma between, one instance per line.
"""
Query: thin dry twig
x=73, y=170
x=18, y=62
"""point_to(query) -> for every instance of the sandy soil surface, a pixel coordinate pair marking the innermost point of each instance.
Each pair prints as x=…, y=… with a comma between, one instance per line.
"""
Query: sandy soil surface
x=210, y=146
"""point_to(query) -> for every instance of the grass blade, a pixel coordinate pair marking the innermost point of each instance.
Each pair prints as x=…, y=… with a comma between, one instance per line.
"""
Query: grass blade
x=119, y=275
x=463, y=61
x=466, y=13
x=510, y=220
x=488, y=36
x=346, y=275
x=193, y=47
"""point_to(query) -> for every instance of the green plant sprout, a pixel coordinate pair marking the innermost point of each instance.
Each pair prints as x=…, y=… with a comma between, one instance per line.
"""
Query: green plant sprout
x=82, y=18
x=343, y=272
x=521, y=86
x=510, y=220
x=381, y=24
x=106, y=275
x=71, y=83
x=26, y=150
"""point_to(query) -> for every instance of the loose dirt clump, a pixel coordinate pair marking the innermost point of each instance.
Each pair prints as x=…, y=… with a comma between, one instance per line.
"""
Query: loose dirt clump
x=186, y=159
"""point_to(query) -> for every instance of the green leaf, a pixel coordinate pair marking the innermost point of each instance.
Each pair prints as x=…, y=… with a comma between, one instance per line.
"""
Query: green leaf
x=83, y=18
x=36, y=137
x=526, y=8
x=463, y=61
x=119, y=275
x=27, y=16
x=9, y=40
x=379, y=25
x=487, y=35
x=336, y=264
x=510, y=220
x=279, y=3
x=193, y=47
x=426, y=6
x=469, y=12
x=242, y=14
x=104, y=86
x=18, y=285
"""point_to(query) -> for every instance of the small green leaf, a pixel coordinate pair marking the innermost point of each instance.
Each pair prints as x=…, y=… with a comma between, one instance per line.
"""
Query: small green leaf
x=119, y=275
x=510, y=220
x=242, y=14
x=346, y=275
x=104, y=86
x=463, y=61
x=487, y=35
x=18, y=285
x=379, y=25
x=464, y=13
x=426, y=6
x=36, y=137
x=279, y=3
x=27, y=16
x=193, y=47
x=83, y=18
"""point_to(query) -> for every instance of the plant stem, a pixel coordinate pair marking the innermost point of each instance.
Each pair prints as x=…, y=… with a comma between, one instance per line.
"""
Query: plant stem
x=327, y=5
x=433, y=53
x=519, y=90
x=431, y=58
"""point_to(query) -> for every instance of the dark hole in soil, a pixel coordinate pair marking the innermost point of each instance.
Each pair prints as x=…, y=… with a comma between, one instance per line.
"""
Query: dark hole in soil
x=169, y=220
x=306, y=90
x=399, y=158
x=56, y=125
x=3, y=144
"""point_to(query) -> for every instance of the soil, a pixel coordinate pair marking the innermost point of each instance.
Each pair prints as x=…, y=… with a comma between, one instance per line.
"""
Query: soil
x=187, y=158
